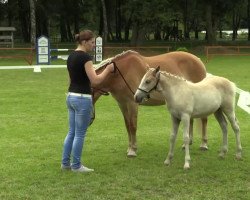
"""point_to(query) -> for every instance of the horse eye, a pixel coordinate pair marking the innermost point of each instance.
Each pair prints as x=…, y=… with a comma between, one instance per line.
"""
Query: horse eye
x=147, y=81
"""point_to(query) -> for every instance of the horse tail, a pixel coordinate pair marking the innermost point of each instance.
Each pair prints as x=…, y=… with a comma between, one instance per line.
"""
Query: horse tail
x=234, y=91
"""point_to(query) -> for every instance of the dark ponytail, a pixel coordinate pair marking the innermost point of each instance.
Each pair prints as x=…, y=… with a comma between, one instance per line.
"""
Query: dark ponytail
x=77, y=37
x=84, y=35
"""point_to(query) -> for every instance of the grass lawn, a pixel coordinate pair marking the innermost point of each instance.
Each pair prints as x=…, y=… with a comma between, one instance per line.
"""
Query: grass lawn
x=33, y=125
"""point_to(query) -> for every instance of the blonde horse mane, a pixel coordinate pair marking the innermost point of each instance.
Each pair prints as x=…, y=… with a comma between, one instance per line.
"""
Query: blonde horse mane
x=167, y=74
x=116, y=57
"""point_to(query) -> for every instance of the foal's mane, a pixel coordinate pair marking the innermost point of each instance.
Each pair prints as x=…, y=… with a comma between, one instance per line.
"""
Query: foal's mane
x=115, y=58
x=167, y=74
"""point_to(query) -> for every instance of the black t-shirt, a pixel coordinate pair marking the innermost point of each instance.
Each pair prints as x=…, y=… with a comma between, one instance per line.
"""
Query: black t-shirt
x=79, y=81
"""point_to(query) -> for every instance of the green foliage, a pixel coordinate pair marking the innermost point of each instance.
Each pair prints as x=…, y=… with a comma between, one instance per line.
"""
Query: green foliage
x=61, y=19
x=182, y=49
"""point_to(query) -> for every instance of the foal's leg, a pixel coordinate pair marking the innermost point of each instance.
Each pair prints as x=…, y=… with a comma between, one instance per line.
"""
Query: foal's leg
x=223, y=124
x=186, y=123
x=203, y=145
x=190, y=133
x=234, y=124
x=175, y=126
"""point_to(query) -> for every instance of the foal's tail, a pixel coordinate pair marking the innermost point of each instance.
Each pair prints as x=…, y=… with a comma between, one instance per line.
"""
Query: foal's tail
x=234, y=90
x=234, y=87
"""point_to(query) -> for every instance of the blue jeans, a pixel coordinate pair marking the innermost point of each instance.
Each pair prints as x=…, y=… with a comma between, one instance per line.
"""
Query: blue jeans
x=79, y=109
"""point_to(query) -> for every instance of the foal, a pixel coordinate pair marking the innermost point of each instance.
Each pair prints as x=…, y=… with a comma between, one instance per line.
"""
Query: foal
x=186, y=100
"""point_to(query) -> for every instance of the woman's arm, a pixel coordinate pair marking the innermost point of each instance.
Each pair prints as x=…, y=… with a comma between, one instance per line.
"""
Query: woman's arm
x=94, y=78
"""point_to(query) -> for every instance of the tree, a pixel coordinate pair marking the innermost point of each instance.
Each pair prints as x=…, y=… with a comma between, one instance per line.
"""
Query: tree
x=118, y=30
x=213, y=15
x=210, y=24
x=248, y=18
x=235, y=23
x=148, y=16
x=32, y=22
x=105, y=23
x=42, y=17
x=12, y=7
x=238, y=12
x=111, y=18
x=24, y=17
x=187, y=9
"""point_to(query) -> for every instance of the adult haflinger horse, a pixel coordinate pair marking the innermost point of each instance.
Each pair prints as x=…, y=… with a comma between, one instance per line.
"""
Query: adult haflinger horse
x=186, y=100
x=130, y=67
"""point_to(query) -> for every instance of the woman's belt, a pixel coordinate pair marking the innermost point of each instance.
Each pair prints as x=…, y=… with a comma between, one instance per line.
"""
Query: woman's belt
x=79, y=94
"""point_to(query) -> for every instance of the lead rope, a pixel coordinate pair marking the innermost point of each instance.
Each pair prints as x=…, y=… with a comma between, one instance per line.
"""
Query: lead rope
x=93, y=106
x=116, y=68
x=92, y=118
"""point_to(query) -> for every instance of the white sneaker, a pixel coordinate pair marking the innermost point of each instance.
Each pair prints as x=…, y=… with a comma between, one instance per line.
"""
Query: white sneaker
x=82, y=169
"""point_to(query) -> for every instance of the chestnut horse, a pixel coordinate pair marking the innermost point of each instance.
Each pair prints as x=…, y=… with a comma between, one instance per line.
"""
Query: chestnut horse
x=130, y=67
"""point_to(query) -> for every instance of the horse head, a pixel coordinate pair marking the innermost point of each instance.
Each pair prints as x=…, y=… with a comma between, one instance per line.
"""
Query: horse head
x=148, y=83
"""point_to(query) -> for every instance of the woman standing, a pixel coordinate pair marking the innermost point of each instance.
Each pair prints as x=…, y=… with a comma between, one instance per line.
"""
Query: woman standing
x=79, y=100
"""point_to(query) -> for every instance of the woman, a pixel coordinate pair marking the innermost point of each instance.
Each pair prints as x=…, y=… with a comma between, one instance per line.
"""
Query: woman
x=79, y=100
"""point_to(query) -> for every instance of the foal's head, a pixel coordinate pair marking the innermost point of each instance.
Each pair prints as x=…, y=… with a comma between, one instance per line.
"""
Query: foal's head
x=148, y=83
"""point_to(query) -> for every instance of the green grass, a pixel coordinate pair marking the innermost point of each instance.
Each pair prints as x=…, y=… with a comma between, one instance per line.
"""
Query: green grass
x=33, y=124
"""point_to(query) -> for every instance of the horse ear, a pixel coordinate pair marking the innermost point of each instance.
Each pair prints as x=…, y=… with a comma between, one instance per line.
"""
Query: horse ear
x=158, y=72
x=157, y=69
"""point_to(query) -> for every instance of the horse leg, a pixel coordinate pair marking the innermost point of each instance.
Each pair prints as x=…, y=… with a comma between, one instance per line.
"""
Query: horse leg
x=130, y=112
x=175, y=126
x=203, y=145
x=223, y=124
x=133, y=112
x=235, y=126
x=190, y=133
x=186, y=123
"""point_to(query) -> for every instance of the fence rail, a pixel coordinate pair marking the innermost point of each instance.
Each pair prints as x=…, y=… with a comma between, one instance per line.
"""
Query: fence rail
x=211, y=51
x=27, y=54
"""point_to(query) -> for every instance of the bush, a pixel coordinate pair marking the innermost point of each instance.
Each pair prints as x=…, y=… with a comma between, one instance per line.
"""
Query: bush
x=182, y=49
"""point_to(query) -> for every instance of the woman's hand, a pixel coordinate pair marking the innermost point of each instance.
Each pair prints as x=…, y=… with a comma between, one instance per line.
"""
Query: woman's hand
x=111, y=68
x=94, y=78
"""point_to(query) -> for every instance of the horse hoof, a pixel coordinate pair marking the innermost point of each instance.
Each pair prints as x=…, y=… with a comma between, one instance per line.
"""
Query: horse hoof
x=203, y=148
x=131, y=154
x=186, y=166
x=238, y=157
x=221, y=155
x=167, y=162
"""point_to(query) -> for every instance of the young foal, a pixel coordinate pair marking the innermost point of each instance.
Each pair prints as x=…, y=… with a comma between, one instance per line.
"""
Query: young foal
x=186, y=100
